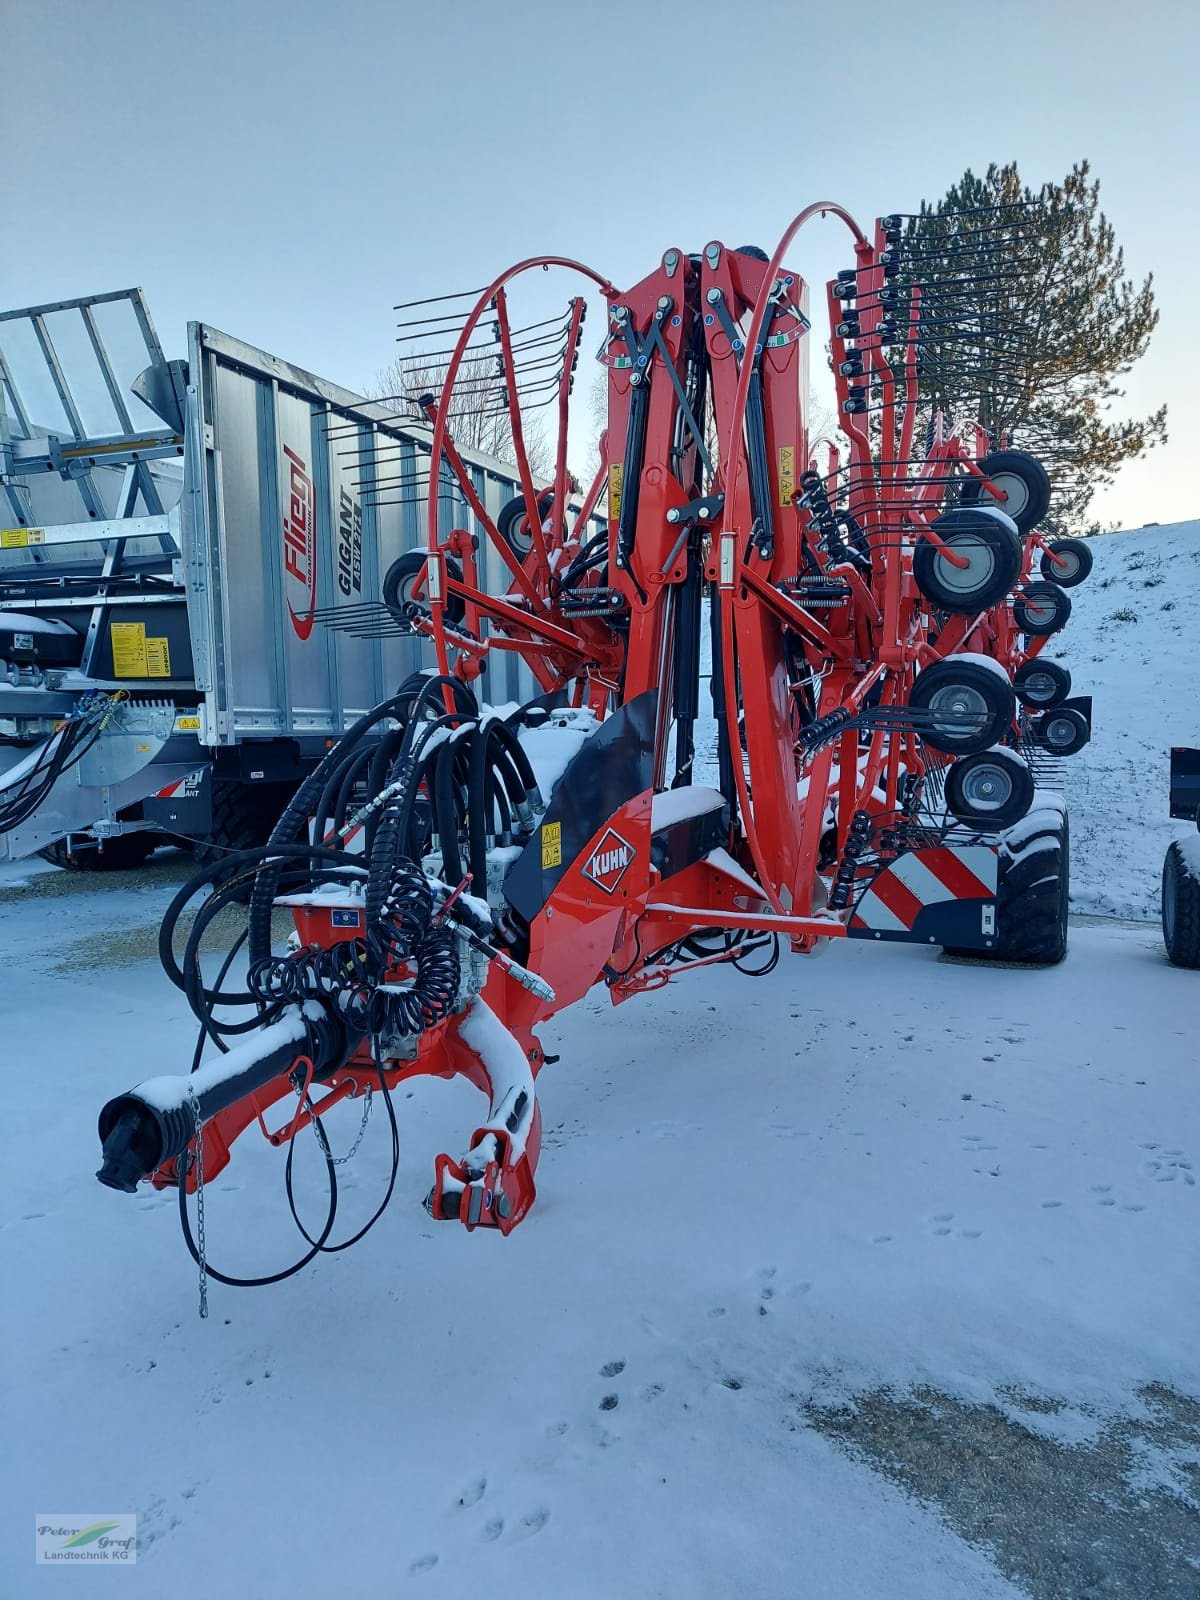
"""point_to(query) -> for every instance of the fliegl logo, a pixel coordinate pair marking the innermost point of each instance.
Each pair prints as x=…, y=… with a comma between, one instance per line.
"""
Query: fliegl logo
x=300, y=543
x=607, y=864
x=66, y=1536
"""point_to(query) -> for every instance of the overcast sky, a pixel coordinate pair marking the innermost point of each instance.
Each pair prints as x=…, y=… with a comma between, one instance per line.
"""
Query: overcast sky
x=287, y=170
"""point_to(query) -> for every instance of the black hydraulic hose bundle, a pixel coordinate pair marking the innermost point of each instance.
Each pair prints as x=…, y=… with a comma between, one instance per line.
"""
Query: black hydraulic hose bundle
x=407, y=778
x=21, y=797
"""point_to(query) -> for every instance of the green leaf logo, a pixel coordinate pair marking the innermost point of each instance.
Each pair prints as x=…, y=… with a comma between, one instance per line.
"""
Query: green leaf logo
x=89, y=1535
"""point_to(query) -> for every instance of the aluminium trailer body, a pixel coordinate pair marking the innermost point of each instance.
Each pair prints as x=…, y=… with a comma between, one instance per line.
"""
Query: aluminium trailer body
x=173, y=534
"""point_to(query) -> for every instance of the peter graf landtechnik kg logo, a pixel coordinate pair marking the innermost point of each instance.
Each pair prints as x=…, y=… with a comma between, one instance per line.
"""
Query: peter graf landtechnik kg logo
x=75, y=1536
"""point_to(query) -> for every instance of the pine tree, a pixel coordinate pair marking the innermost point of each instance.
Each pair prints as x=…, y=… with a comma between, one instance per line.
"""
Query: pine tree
x=1029, y=323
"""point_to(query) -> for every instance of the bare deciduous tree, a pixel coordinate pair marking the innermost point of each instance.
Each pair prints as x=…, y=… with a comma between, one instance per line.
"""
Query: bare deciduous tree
x=479, y=416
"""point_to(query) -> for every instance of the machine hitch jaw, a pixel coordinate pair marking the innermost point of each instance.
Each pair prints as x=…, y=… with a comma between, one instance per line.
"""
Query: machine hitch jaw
x=488, y=1188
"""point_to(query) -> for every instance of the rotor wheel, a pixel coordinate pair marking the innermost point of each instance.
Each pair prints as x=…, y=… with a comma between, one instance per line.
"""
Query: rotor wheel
x=1062, y=731
x=406, y=591
x=1041, y=609
x=1023, y=484
x=1067, y=562
x=963, y=707
x=991, y=547
x=990, y=791
x=1042, y=684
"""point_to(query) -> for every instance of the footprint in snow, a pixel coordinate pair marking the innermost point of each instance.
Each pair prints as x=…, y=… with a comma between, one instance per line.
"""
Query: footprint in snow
x=424, y=1564
x=652, y=1391
x=493, y=1530
x=612, y=1369
x=533, y=1522
x=473, y=1493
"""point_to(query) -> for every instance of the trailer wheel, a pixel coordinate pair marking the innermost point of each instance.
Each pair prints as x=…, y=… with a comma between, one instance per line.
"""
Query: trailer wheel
x=992, y=547
x=1181, y=908
x=1063, y=731
x=1042, y=608
x=1032, y=902
x=990, y=791
x=513, y=524
x=122, y=853
x=1022, y=481
x=1067, y=562
x=1042, y=684
x=406, y=575
x=965, y=706
x=243, y=815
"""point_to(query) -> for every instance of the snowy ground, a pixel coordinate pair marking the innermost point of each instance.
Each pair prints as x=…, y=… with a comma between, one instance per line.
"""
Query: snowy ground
x=1131, y=643
x=874, y=1277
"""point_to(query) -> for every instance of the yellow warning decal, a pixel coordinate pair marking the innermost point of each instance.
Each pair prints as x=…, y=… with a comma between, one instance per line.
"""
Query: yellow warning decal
x=158, y=659
x=551, y=845
x=135, y=656
x=129, y=649
x=616, y=476
x=787, y=474
x=187, y=724
x=18, y=538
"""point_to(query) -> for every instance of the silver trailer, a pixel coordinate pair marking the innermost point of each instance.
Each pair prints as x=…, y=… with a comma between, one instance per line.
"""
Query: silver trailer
x=209, y=537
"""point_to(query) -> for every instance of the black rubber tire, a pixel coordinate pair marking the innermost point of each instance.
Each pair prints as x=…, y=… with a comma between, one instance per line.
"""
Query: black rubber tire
x=1063, y=731
x=990, y=809
x=513, y=523
x=994, y=545
x=1028, y=498
x=1078, y=556
x=243, y=815
x=1180, y=909
x=397, y=586
x=122, y=853
x=1042, y=684
x=1032, y=901
x=959, y=686
x=1042, y=608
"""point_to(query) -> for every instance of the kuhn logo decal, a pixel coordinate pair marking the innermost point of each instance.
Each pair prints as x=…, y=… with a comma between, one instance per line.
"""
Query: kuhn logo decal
x=606, y=865
x=300, y=544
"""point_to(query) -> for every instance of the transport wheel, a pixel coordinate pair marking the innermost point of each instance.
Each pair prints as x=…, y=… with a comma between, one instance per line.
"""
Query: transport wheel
x=1042, y=684
x=990, y=791
x=1032, y=899
x=1181, y=906
x=1024, y=486
x=1063, y=731
x=989, y=541
x=513, y=524
x=120, y=854
x=404, y=586
x=1067, y=562
x=965, y=706
x=1042, y=608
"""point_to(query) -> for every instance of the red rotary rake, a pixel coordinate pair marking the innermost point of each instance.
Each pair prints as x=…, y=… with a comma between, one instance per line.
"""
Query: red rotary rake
x=881, y=705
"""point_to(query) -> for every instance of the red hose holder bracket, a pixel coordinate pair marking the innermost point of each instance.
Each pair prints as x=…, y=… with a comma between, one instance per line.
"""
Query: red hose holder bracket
x=499, y=1197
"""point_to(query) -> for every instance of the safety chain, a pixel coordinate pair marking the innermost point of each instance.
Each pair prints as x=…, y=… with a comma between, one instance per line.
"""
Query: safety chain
x=191, y=1093
x=340, y=1161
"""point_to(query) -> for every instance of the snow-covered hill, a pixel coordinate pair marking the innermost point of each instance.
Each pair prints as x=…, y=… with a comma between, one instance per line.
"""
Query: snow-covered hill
x=1133, y=643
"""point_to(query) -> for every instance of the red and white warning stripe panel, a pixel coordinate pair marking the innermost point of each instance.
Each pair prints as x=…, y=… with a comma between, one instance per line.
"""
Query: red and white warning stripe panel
x=897, y=895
